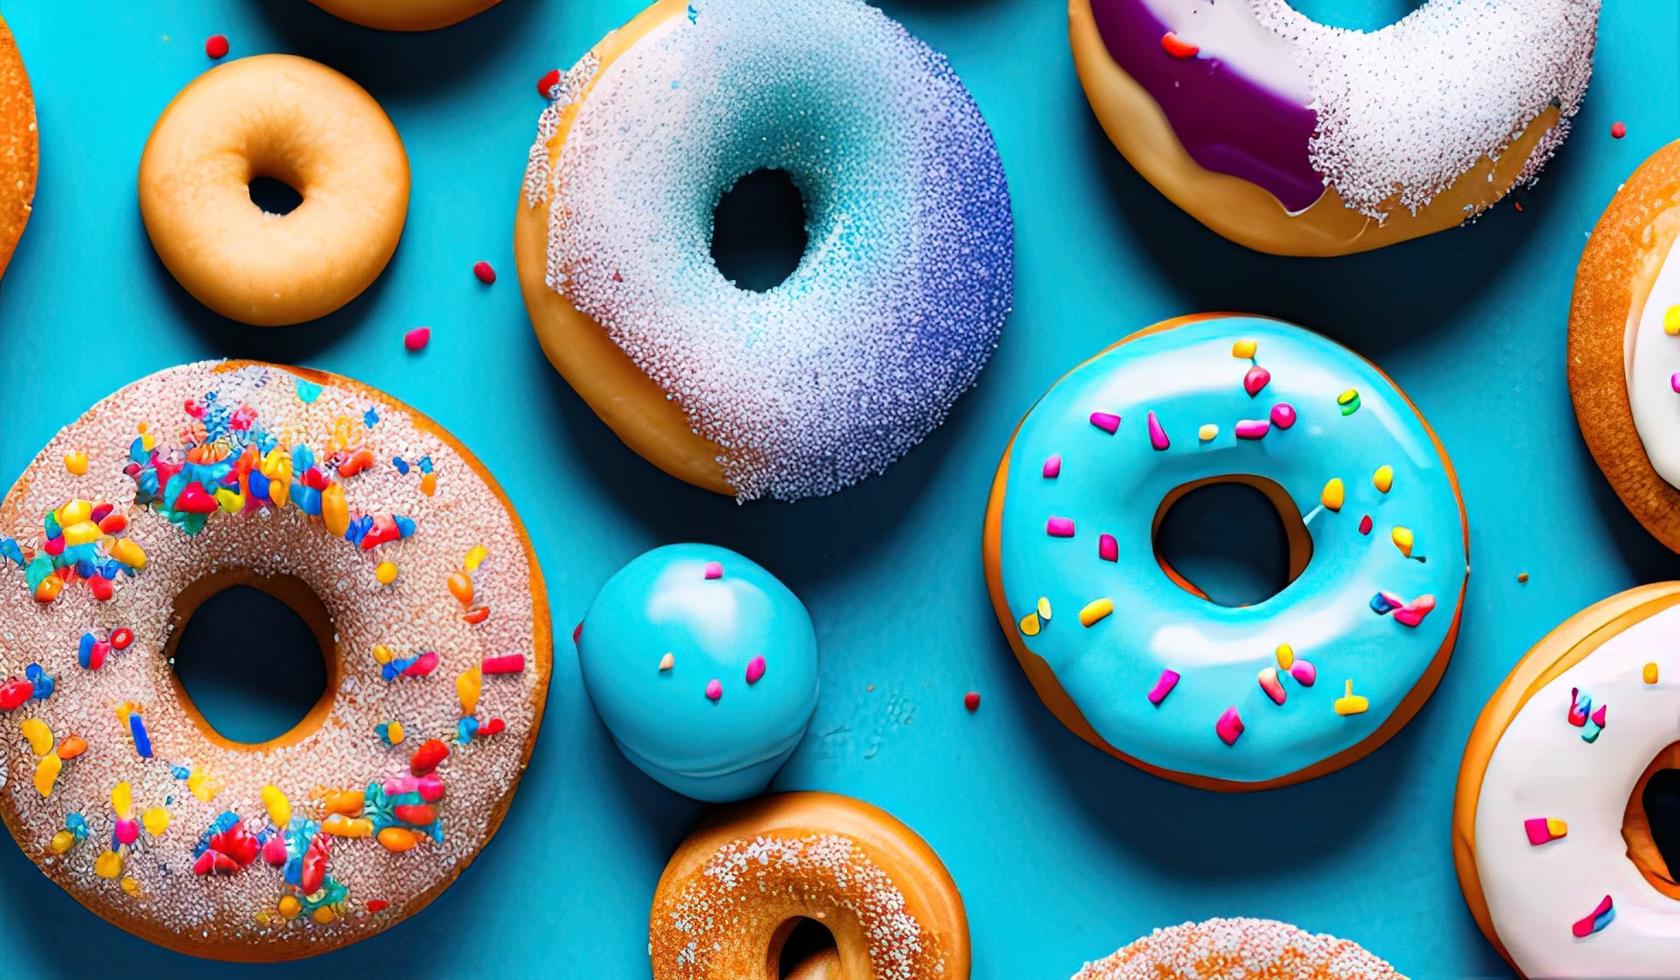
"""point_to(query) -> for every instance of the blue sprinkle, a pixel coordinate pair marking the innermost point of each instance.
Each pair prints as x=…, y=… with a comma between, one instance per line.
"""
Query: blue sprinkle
x=44, y=684
x=180, y=772
x=467, y=728
x=142, y=741
x=425, y=464
x=77, y=826
x=405, y=525
x=307, y=391
x=371, y=419
x=401, y=465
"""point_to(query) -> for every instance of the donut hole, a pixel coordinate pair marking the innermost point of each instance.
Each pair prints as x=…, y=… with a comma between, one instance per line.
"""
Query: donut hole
x=758, y=230
x=1651, y=822
x=251, y=659
x=1232, y=540
x=800, y=942
x=1357, y=15
x=273, y=195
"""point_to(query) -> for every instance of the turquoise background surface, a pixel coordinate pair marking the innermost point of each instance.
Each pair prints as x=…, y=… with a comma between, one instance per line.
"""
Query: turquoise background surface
x=1061, y=853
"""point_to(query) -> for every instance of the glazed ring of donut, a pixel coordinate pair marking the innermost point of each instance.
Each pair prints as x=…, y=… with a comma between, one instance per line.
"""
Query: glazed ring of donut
x=1238, y=948
x=404, y=15
x=19, y=146
x=1624, y=352
x=735, y=889
x=292, y=120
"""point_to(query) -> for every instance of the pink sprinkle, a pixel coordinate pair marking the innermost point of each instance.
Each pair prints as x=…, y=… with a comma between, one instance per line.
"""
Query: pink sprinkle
x=1059, y=527
x=1157, y=435
x=1414, y=612
x=1253, y=428
x=1229, y=726
x=1256, y=379
x=1106, y=422
x=755, y=669
x=418, y=338
x=971, y=701
x=127, y=831
x=1108, y=549
x=216, y=46
x=1597, y=919
x=420, y=668
x=714, y=689
x=1539, y=831
x=1304, y=672
x=485, y=272
x=1163, y=687
x=545, y=84
x=714, y=569
x=1618, y=129
x=1053, y=464
x=1598, y=717
x=1272, y=686
x=1674, y=382
x=1283, y=415
x=577, y=632
x=510, y=663
x=1365, y=524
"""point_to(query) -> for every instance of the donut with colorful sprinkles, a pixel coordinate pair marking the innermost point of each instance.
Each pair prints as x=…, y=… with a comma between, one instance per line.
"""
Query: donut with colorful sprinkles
x=1235, y=949
x=733, y=892
x=1298, y=138
x=385, y=536
x=703, y=666
x=894, y=306
x=1136, y=659
x=1563, y=866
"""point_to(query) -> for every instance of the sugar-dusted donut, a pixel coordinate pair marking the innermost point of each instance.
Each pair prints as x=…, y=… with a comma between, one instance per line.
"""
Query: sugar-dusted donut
x=296, y=121
x=703, y=666
x=396, y=547
x=734, y=890
x=1296, y=138
x=19, y=146
x=1132, y=657
x=1238, y=949
x=892, y=311
x=404, y=15
x=1624, y=344
x=1554, y=848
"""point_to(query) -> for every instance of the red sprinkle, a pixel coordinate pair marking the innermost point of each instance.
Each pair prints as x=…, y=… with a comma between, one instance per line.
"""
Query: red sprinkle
x=508, y=663
x=418, y=338
x=546, y=83
x=121, y=637
x=1178, y=47
x=1618, y=129
x=427, y=757
x=971, y=700
x=377, y=905
x=577, y=632
x=485, y=272
x=216, y=46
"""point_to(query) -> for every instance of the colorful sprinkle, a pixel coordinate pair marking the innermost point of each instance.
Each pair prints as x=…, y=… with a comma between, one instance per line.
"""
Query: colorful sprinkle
x=1650, y=673
x=1052, y=467
x=1095, y=612
x=1253, y=428
x=546, y=84
x=1350, y=703
x=1271, y=685
x=714, y=690
x=1208, y=432
x=1030, y=624
x=1522, y=577
x=468, y=685
x=1283, y=415
x=1304, y=672
x=1108, y=549
x=1674, y=382
x=385, y=572
x=507, y=663
x=1059, y=527
x=1383, y=478
x=1163, y=687
x=971, y=701
x=1106, y=422
x=1333, y=494
x=39, y=736
x=1365, y=524
x=1229, y=726
x=755, y=669
x=484, y=272
x=1544, y=830
x=1402, y=537
x=667, y=662
x=1285, y=656
x=417, y=339
x=216, y=46
x=1245, y=348
x=1602, y=915
x=1671, y=320
x=1348, y=401
x=1413, y=613
x=1618, y=129
x=1255, y=380
x=76, y=463
x=1177, y=47
x=1044, y=608
x=714, y=570
x=1157, y=435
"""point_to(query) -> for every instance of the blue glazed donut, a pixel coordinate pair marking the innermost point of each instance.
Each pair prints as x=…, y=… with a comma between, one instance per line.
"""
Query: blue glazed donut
x=1134, y=658
x=895, y=305
x=703, y=666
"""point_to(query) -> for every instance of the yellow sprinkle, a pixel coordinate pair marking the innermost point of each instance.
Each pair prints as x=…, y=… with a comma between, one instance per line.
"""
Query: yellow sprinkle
x=124, y=551
x=1244, y=348
x=131, y=886
x=475, y=558
x=1334, y=494
x=148, y=442
x=1671, y=321
x=74, y=512
x=1351, y=703
x=261, y=917
x=1556, y=827
x=1347, y=396
x=382, y=654
x=667, y=662
x=155, y=820
x=1650, y=673
x=290, y=906
x=39, y=735
x=339, y=825
x=335, y=511
x=109, y=865
x=467, y=688
x=322, y=915
x=1095, y=612
x=1403, y=539
x=279, y=808
x=46, y=773
x=428, y=484
x=1208, y=432
x=77, y=462
x=1383, y=478
x=1044, y=608
x=1030, y=625
x=1285, y=656
x=62, y=842
x=122, y=801
x=394, y=732
x=386, y=572
x=202, y=786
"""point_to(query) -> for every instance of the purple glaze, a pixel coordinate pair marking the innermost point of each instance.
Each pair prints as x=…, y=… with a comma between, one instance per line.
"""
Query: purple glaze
x=1227, y=123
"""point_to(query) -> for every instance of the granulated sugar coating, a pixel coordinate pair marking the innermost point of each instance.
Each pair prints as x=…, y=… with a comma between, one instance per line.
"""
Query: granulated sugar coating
x=908, y=272
x=1236, y=949
x=132, y=823
x=1404, y=111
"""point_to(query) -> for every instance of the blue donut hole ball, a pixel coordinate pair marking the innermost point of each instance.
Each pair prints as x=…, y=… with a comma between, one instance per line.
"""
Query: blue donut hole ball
x=703, y=667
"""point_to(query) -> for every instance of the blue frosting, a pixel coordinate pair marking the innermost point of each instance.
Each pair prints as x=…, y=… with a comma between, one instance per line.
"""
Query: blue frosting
x=663, y=719
x=1113, y=484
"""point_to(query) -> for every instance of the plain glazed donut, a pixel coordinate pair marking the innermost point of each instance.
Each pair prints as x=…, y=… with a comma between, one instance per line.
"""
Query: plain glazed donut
x=1554, y=850
x=1624, y=344
x=1222, y=697
x=895, y=306
x=386, y=536
x=1238, y=949
x=1296, y=138
x=296, y=121
x=404, y=15
x=19, y=146
x=733, y=892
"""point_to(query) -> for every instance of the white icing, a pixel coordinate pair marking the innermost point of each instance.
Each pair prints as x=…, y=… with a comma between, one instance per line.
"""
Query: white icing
x=1233, y=33
x=1653, y=357
x=1542, y=768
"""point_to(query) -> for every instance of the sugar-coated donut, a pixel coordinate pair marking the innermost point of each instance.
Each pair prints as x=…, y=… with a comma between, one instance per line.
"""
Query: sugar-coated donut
x=296, y=121
x=892, y=311
x=1297, y=138
x=1238, y=949
x=19, y=146
x=733, y=892
x=404, y=15
x=703, y=666
x=1554, y=848
x=412, y=570
x=1624, y=344
x=1230, y=698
